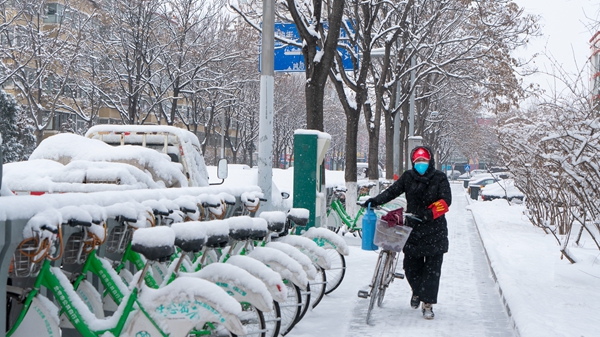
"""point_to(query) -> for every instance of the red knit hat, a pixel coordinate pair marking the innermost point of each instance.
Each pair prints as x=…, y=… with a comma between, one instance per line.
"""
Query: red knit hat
x=421, y=153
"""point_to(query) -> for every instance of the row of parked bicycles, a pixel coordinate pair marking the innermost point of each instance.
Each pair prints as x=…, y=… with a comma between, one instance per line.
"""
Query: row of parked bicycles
x=182, y=267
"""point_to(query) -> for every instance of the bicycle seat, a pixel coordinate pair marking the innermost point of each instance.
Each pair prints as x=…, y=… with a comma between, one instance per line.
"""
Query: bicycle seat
x=259, y=229
x=240, y=228
x=188, y=236
x=159, y=254
x=299, y=216
x=217, y=241
x=155, y=243
x=275, y=220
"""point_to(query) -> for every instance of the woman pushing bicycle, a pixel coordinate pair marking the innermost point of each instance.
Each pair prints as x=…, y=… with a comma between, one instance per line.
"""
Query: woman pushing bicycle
x=428, y=196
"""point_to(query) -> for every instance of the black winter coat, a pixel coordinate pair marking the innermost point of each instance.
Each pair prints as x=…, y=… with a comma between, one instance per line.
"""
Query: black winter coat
x=429, y=237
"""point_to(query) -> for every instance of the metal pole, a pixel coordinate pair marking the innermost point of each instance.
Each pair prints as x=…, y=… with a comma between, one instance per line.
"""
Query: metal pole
x=265, y=131
x=411, y=114
x=396, y=144
x=223, y=130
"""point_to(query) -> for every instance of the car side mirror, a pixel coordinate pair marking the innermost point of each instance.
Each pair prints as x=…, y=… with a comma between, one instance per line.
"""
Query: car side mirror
x=285, y=195
x=222, y=171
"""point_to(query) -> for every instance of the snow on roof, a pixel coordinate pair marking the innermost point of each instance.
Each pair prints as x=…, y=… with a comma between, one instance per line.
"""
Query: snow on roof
x=182, y=134
x=65, y=148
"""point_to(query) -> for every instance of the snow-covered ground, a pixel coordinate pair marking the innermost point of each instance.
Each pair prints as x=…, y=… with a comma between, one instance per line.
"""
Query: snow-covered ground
x=546, y=296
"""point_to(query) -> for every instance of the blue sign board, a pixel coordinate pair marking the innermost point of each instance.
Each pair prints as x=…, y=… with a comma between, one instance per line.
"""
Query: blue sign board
x=289, y=58
x=467, y=167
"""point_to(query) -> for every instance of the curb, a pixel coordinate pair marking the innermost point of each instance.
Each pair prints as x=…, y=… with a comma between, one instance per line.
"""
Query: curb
x=506, y=306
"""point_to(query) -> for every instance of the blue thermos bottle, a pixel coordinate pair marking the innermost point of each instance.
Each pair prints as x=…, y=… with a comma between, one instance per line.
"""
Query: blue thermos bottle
x=368, y=229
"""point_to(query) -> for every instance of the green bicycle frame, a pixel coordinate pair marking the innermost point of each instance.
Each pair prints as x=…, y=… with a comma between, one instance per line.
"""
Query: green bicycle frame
x=338, y=207
x=95, y=265
x=49, y=279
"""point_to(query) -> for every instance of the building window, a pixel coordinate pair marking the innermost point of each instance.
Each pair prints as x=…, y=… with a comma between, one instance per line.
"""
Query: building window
x=53, y=13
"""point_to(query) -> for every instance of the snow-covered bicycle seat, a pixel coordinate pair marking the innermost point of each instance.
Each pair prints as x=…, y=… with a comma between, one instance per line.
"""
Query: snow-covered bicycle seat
x=299, y=216
x=189, y=237
x=259, y=229
x=240, y=228
x=155, y=243
x=275, y=220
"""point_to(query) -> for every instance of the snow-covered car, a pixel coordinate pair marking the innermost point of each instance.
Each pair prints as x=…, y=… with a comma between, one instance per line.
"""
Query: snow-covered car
x=72, y=163
x=503, y=189
x=453, y=174
x=481, y=182
x=181, y=146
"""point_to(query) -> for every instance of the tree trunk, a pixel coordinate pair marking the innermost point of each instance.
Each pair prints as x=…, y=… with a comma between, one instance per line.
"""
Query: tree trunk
x=314, y=106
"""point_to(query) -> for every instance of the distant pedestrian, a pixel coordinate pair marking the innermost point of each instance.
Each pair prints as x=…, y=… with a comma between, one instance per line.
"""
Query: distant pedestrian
x=428, y=196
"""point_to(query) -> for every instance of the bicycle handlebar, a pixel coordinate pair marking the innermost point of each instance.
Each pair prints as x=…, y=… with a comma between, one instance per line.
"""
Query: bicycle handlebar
x=187, y=210
x=49, y=228
x=159, y=212
x=122, y=218
x=75, y=222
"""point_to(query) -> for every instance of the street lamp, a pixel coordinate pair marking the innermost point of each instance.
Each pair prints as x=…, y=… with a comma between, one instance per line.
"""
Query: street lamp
x=413, y=141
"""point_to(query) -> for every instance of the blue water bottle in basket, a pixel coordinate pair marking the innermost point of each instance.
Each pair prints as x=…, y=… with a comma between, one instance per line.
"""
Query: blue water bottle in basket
x=368, y=229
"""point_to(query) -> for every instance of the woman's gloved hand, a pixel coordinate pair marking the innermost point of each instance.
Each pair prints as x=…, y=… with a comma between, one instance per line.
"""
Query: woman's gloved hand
x=370, y=201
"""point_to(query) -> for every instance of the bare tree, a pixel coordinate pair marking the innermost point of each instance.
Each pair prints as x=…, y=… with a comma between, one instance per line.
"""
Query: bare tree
x=39, y=50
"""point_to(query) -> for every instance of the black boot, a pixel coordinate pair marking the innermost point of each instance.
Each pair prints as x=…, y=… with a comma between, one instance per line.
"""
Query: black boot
x=414, y=302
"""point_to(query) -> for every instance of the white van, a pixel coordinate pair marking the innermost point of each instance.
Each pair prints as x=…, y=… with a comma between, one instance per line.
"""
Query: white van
x=180, y=145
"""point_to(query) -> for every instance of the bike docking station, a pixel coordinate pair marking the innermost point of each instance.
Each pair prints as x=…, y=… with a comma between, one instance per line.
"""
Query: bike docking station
x=310, y=147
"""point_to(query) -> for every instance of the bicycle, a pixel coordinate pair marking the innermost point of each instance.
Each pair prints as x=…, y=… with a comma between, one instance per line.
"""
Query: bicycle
x=391, y=240
x=242, y=286
x=191, y=304
x=337, y=217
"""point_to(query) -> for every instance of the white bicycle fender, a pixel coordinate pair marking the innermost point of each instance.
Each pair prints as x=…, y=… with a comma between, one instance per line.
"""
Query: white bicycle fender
x=287, y=267
x=308, y=247
x=327, y=239
x=91, y=298
x=268, y=276
x=294, y=253
x=193, y=302
x=238, y=283
x=41, y=319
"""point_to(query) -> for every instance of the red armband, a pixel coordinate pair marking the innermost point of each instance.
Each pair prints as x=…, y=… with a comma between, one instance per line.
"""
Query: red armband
x=439, y=208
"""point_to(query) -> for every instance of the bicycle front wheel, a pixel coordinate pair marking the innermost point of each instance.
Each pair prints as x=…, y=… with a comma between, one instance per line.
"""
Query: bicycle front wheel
x=273, y=320
x=317, y=287
x=336, y=273
x=388, y=276
x=253, y=320
x=305, y=302
x=376, y=286
x=290, y=309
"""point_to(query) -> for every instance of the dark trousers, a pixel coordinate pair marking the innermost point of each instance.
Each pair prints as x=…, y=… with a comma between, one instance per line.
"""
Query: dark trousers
x=423, y=275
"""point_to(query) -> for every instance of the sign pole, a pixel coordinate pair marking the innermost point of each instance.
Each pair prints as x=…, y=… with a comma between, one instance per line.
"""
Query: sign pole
x=265, y=131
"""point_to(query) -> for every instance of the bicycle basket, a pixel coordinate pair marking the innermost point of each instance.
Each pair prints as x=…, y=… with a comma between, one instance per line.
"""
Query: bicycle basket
x=118, y=239
x=390, y=238
x=23, y=265
x=74, y=252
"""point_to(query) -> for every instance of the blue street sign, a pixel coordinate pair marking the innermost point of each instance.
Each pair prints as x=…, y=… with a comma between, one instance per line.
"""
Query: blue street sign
x=289, y=58
x=467, y=167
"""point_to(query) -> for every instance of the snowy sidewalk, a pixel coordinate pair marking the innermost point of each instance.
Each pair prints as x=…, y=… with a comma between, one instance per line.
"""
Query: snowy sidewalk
x=469, y=304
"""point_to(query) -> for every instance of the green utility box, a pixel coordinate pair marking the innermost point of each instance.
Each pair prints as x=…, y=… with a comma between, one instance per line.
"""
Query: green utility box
x=310, y=147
